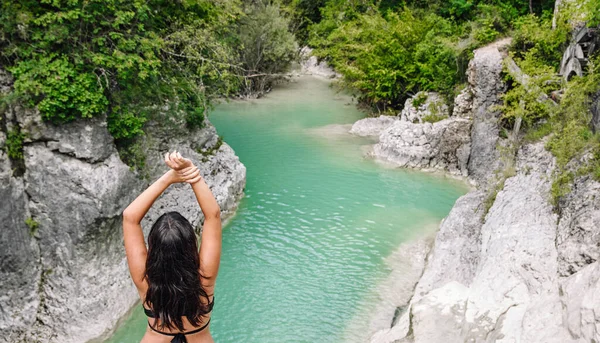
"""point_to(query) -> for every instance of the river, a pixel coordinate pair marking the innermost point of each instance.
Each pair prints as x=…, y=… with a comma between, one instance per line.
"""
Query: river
x=307, y=248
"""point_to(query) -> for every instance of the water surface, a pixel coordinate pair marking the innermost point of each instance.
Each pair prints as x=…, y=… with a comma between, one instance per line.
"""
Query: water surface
x=307, y=247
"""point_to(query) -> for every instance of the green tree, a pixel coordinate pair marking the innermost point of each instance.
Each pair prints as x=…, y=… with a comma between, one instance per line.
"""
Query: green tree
x=81, y=58
x=266, y=47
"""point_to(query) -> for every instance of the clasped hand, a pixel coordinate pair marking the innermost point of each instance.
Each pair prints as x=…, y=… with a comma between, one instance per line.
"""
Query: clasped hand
x=182, y=169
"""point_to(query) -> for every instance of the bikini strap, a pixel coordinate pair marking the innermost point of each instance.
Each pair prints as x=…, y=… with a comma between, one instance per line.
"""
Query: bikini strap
x=180, y=336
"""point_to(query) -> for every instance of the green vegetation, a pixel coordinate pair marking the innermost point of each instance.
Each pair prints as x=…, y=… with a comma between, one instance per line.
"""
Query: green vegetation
x=14, y=144
x=32, y=225
x=206, y=153
x=131, y=59
x=433, y=118
x=387, y=58
x=267, y=46
x=419, y=99
x=537, y=50
x=387, y=50
x=143, y=61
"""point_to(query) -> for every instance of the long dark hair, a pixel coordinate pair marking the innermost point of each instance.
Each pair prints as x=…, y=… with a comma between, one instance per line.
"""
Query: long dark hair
x=173, y=273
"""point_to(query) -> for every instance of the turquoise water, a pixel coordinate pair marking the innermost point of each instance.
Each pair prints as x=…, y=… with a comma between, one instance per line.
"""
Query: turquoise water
x=306, y=250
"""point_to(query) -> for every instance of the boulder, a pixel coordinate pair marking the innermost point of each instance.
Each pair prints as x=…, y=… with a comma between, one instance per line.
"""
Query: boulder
x=463, y=104
x=578, y=234
x=78, y=206
x=443, y=145
x=424, y=104
x=437, y=316
x=457, y=246
x=514, y=295
x=312, y=66
x=372, y=126
x=581, y=303
x=485, y=82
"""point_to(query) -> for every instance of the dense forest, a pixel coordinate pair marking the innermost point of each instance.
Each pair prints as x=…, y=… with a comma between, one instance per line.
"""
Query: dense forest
x=134, y=60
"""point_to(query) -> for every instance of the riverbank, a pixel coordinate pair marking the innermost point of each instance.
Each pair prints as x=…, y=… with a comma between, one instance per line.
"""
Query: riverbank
x=507, y=262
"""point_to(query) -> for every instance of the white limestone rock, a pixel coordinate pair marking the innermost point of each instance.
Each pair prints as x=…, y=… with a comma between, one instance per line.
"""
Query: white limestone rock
x=437, y=146
x=463, y=104
x=578, y=236
x=311, y=65
x=581, y=303
x=486, y=85
x=424, y=104
x=372, y=126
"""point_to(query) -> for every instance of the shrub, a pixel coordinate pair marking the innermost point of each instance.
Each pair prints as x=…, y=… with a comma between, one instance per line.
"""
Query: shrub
x=14, y=144
x=386, y=58
x=32, y=225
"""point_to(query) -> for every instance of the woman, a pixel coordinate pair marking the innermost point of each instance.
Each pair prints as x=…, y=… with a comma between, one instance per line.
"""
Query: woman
x=175, y=282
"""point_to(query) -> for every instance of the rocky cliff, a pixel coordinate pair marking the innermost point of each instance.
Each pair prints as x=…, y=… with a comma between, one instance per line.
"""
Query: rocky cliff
x=507, y=265
x=62, y=263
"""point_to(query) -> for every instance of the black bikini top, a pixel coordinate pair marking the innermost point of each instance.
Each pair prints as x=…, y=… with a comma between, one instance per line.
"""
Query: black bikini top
x=178, y=337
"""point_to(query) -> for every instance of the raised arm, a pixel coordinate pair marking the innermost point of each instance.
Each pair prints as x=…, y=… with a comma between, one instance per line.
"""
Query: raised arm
x=135, y=247
x=210, y=246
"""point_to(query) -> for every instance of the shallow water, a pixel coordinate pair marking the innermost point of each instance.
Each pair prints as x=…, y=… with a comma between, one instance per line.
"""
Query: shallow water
x=307, y=248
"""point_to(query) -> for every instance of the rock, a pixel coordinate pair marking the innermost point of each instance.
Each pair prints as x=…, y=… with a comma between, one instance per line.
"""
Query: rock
x=406, y=264
x=578, y=234
x=437, y=317
x=457, y=246
x=515, y=293
x=19, y=256
x=485, y=81
x=452, y=260
x=581, y=301
x=501, y=282
x=372, y=126
x=424, y=104
x=86, y=139
x=71, y=268
x=463, y=104
x=78, y=207
x=426, y=146
x=311, y=65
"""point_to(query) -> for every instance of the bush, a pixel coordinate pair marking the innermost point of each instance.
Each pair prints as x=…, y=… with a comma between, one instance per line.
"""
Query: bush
x=78, y=59
x=267, y=48
x=14, y=144
x=387, y=58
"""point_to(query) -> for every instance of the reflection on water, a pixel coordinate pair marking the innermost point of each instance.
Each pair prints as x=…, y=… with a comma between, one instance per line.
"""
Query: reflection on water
x=310, y=239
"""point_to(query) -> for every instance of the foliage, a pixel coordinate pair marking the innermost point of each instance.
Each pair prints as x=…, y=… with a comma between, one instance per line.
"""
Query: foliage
x=573, y=135
x=433, y=118
x=419, y=99
x=534, y=39
x=78, y=59
x=387, y=58
x=266, y=46
x=14, y=144
x=592, y=8
x=537, y=50
x=303, y=13
x=33, y=226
